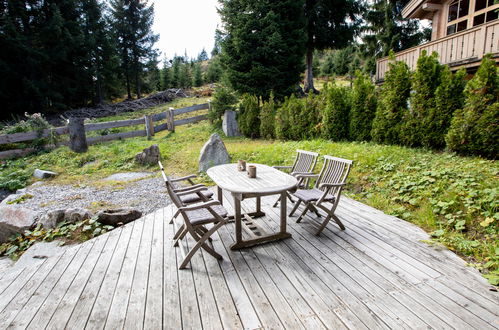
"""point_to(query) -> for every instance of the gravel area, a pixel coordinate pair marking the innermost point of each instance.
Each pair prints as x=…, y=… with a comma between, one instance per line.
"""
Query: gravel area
x=146, y=195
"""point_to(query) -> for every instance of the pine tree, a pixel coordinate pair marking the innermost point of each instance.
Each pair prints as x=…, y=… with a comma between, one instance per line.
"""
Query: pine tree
x=166, y=75
x=132, y=23
x=203, y=56
x=214, y=70
x=336, y=113
x=329, y=24
x=197, y=75
x=385, y=30
x=263, y=45
x=176, y=64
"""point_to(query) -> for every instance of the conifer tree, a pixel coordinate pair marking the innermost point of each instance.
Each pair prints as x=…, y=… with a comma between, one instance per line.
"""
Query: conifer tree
x=197, y=75
x=336, y=113
x=392, y=104
x=132, y=23
x=263, y=45
x=475, y=128
x=363, y=108
x=203, y=56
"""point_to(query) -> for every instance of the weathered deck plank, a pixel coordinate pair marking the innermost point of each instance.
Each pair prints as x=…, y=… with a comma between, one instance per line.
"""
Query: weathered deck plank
x=376, y=274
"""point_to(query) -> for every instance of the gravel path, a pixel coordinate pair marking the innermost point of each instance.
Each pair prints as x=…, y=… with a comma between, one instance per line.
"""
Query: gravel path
x=146, y=195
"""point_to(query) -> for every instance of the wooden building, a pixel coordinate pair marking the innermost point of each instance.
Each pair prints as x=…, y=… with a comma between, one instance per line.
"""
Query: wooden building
x=463, y=31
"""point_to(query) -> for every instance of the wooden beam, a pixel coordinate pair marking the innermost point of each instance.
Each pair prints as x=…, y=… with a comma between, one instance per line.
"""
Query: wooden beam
x=190, y=120
x=117, y=136
x=192, y=108
x=113, y=124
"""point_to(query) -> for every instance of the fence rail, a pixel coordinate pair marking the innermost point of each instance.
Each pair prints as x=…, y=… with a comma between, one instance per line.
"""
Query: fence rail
x=148, y=121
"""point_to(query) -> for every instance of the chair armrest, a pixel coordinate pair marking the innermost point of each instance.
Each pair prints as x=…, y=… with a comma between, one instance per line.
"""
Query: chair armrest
x=205, y=205
x=307, y=175
x=189, y=188
x=184, y=178
x=301, y=173
x=331, y=185
x=282, y=167
x=192, y=191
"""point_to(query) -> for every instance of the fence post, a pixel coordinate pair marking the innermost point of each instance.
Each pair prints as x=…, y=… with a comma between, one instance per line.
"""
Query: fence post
x=149, y=126
x=77, y=136
x=171, y=120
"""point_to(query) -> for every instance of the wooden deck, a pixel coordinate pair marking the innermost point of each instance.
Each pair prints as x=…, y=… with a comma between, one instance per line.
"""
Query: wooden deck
x=375, y=274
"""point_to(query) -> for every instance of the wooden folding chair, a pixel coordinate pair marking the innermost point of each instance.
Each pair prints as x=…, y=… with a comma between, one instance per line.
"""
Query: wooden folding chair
x=326, y=192
x=196, y=217
x=304, y=164
x=195, y=193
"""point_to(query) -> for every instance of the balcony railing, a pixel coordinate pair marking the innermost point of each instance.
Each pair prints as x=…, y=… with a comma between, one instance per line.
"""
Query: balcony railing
x=461, y=49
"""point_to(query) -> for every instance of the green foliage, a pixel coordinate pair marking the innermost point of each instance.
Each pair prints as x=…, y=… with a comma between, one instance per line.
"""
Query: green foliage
x=335, y=115
x=363, y=108
x=286, y=117
x=308, y=124
x=337, y=62
x=249, y=116
x=392, y=104
x=33, y=123
x=21, y=199
x=267, y=118
x=214, y=70
x=475, y=128
x=224, y=99
x=449, y=96
x=197, y=75
x=79, y=231
x=263, y=46
x=425, y=81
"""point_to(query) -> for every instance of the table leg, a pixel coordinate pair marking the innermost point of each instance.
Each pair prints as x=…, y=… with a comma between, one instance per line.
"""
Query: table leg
x=237, y=216
x=220, y=195
x=283, y=212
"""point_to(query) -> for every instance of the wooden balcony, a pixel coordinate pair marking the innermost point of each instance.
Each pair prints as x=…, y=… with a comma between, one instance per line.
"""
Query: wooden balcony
x=463, y=49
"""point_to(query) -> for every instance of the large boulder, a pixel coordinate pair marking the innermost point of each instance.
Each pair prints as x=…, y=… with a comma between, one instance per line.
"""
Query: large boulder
x=149, y=156
x=54, y=217
x=43, y=174
x=229, y=124
x=15, y=220
x=213, y=153
x=118, y=216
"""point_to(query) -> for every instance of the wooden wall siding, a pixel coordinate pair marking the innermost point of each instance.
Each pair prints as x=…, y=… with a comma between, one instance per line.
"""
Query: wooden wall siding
x=463, y=49
x=29, y=136
x=377, y=274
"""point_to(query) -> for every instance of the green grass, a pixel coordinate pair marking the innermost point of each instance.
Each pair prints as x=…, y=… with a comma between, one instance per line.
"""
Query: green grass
x=452, y=197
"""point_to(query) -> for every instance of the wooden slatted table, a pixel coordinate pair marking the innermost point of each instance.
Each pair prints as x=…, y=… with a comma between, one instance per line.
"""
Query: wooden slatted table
x=268, y=181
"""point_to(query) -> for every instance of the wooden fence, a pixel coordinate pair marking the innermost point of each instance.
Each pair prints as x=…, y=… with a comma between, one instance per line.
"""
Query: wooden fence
x=148, y=121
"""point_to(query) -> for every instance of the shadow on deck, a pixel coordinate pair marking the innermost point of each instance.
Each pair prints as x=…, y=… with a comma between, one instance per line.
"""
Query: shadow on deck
x=375, y=274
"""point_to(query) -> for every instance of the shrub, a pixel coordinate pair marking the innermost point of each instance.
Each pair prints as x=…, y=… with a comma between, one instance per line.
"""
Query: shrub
x=335, y=115
x=449, y=96
x=33, y=123
x=425, y=81
x=475, y=128
x=267, y=119
x=308, y=123
x=363, y=108
x=249, y=116
x=285, y=127
x=223, y=99
x=392, y=104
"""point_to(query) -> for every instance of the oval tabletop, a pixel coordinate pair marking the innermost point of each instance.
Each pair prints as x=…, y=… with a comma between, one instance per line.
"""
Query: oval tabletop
x=268, y=180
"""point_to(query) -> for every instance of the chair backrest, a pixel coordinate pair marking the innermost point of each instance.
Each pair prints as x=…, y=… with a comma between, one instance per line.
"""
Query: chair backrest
x=170, y=188
x=305, y=161
x=334, y=170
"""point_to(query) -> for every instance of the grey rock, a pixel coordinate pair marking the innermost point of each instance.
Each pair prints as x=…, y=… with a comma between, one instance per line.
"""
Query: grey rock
x=127, y=176
x=77, y=214
x=15, y=220
x=229, y=124
x=52, y=218
x=42, y=174
x=21, y=191
x=213, y=153
x=149, y=156
x=115, y=216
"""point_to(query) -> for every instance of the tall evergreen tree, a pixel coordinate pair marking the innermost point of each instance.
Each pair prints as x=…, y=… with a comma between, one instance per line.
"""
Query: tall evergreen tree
x=132, y=23
x=263, y=45
x=329, y=24
x=203, y=56
x=197, y=75
x=166, y=75
x=386, y=30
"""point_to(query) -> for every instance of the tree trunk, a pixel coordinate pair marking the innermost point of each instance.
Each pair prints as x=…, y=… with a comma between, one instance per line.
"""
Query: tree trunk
x=128, y=90
x=137, y=82
x=309, y=74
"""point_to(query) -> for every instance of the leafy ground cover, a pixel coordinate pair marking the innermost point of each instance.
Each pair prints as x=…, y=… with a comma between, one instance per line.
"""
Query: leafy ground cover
x=452, y=197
